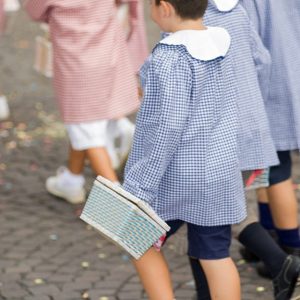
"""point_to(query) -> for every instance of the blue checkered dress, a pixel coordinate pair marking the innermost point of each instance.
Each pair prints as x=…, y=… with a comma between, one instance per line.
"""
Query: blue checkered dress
x=278, y=23
x=184, y=158
x=256, y=147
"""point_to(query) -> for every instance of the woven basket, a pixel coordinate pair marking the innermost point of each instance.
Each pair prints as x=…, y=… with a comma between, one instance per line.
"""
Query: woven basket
x=122, y=218
x=254, y=179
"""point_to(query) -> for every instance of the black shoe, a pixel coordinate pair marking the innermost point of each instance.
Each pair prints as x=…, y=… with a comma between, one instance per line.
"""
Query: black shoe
x=290, y=250
x=262, y=270
x=248, y=256
x=284, y=283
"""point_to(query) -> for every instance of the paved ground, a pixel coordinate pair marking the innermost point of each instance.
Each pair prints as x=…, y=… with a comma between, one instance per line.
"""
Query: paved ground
x=46, y=252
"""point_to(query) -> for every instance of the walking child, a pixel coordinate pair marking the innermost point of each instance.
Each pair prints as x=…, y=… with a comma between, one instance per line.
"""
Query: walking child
x=94, y=83
x=184, y=160
x=277, y=23
x=256, y=150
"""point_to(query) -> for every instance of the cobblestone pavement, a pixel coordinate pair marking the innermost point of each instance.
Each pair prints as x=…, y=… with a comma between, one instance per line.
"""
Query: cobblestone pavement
x=46, y=252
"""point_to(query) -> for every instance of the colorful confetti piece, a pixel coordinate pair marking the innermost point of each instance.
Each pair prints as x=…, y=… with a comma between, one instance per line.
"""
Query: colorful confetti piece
x=39, y=281
x=241, y=262
x=85, y=264
x=102, y=255
x=260, y=289
x=53, y=237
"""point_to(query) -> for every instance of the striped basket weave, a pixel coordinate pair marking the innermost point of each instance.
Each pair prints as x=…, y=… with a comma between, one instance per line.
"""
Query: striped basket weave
x=122, y=218
x=256, y=179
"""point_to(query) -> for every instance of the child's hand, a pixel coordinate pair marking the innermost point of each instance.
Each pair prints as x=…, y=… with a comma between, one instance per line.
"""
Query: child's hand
x=157, y=245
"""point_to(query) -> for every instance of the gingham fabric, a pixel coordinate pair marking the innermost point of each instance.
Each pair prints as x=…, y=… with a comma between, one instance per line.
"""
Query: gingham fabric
x=251, y=61
x=93, y=75
x=184, y=158
x=278, y=23
x=256, y=147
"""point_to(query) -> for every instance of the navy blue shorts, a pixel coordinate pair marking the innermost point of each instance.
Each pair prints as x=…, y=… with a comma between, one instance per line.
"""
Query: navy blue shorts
x=205, y=242
x=283, y=171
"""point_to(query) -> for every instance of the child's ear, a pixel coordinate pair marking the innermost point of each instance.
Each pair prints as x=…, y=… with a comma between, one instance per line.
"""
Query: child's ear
x=167, y=9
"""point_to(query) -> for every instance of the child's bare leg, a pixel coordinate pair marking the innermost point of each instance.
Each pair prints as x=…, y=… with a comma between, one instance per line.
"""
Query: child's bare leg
x=155, y=276
x=262, y=195
x=223, y=279
x=283, y=204
x=101, y=163
x=76, y=161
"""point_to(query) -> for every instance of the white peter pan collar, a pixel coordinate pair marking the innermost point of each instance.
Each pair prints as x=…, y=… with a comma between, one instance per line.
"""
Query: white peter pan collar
x=225, y=5
x=204, y=45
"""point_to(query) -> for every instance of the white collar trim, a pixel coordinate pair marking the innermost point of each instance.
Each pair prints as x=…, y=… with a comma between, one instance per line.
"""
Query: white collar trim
x=226, y=5
x=204, y=45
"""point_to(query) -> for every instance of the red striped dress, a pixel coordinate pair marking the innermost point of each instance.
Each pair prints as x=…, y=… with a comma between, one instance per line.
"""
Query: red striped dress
x=93, y=76
x=138, y=43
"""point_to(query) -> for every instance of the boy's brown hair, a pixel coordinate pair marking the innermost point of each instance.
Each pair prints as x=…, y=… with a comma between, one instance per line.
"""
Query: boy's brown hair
x=188, y=9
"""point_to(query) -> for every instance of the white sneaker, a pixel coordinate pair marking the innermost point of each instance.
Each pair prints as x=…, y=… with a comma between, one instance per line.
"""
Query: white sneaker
x=4, y=108
x=67, y=186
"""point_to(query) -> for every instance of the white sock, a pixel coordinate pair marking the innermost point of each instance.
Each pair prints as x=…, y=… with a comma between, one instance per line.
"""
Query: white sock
x=72, y=179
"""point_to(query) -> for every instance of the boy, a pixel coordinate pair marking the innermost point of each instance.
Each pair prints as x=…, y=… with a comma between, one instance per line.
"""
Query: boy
x=184, y=160
x=256, y=147
x=277, y=23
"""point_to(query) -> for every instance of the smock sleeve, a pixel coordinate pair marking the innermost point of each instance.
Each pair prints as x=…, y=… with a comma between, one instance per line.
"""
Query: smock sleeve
x=160, y=124
x=38, y=10
x=262, y=60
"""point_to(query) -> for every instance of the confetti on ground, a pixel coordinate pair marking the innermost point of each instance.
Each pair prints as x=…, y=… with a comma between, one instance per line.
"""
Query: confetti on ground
x=260, y=289
x=11, y=145
x=34, y=167
x=85, y=264
x=297, y=186
x=53, y=237
x=3, y=167
x=241, y=262
x=102, y=255
x=190, y=283
x=85, y=295
x=103, y=298
x=39, y=281
x=171, y=247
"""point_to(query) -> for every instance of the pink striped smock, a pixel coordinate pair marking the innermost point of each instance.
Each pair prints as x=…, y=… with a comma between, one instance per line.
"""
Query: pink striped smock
x=93, y=76
x=138, y=42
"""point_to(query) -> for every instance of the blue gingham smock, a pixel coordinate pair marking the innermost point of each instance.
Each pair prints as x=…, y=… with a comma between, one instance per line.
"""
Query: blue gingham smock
x=184, y=157
x=278, y=23
x=250, y=59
